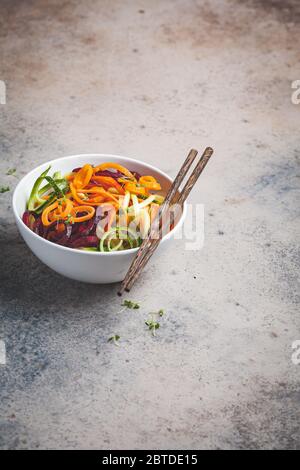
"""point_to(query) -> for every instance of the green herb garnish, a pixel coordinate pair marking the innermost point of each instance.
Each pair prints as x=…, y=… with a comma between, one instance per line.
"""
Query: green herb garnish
x=11, y=171
x=58, y=191
x=4, y=189
x=130, y=304
x=160, y=313
x=69, y=219
x=152, y=325
x=114, y=339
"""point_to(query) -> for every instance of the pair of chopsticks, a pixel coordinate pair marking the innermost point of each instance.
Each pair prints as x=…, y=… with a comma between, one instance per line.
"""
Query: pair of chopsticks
x=151, y=242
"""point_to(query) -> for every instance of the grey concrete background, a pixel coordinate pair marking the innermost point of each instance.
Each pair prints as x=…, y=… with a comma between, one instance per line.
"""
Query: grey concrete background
x=150, y=79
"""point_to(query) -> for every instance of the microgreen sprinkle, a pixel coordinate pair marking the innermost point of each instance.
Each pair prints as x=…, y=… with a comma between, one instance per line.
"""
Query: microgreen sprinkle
x=4, y=189
x=114, y=339
x=130, y=304
x=11, y=171
x=69, y=219
x=152, y=325
x=160, y=313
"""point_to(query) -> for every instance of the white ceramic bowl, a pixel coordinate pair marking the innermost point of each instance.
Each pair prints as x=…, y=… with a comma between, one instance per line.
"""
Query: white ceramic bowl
x=85, y=266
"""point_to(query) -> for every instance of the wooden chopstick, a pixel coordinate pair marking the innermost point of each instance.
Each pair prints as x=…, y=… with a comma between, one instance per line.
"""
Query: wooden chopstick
x=195, y=175
x=169, y=197
x=185, y=192
x=151, y=242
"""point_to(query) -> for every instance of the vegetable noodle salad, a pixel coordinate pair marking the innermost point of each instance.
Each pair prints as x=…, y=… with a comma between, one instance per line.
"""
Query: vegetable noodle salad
x=95, y=208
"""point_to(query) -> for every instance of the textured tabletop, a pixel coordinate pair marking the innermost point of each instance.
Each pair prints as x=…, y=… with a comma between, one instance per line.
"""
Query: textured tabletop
x=150, y=79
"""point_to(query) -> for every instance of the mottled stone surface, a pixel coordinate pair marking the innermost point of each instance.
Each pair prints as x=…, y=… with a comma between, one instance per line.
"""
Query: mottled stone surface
x=151, y=79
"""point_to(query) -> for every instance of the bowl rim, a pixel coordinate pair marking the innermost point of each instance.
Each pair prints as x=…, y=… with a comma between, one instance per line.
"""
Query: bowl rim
x=83, y=252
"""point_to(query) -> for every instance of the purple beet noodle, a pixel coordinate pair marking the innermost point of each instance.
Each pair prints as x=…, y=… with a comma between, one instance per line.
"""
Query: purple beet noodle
x=90, y=241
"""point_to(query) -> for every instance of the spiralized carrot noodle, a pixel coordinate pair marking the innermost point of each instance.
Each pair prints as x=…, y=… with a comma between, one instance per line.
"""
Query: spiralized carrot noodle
x=108, y=182
x=63, y=209
x=150, y=182
x=45, y=215
x=82, y=178
x=115, y=166
x=90, y=212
